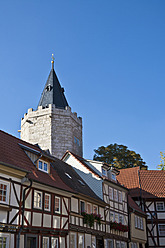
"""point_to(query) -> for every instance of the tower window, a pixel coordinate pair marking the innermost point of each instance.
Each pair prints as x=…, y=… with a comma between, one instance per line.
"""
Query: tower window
x=48, y=87
x=76, y=141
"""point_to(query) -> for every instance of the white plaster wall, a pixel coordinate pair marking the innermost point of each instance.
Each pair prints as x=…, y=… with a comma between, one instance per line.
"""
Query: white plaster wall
x=161, y=215
x=3, y=216
x=37, y=219
x=62, y=242
x=28, y=201
x=64, y=210
x=56, y=221
x=28, y=217
x=74, y=205
x=13, y=200
x=12, y=214
x=87, y=240
x=47, y=220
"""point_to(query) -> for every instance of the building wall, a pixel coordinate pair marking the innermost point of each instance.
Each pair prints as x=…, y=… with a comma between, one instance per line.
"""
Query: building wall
x=55, y=129
x=137, y=235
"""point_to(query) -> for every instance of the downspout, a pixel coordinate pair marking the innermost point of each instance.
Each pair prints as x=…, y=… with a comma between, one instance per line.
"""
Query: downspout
x=23, y=213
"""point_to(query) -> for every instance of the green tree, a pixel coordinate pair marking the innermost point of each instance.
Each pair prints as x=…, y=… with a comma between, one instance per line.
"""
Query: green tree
x=161, y=166
x=118, y=156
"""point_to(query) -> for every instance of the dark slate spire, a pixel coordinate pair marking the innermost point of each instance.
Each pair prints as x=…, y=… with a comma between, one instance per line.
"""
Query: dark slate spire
x=53, y=93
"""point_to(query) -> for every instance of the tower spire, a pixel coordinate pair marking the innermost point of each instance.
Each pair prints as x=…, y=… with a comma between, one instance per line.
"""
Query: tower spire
x=52, y=61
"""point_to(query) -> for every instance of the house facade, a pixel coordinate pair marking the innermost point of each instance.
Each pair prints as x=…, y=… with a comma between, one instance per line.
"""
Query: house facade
x=101, y=178
x=147, y=188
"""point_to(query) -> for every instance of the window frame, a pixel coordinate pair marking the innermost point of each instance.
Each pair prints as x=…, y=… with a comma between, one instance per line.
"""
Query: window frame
x=161, y=234
x=46, y=194
x=115, y=190
x=110, y=215
x=75, y=241
x=57, y=211
x=80, y=234
x=113, y=175
x=80, y=206
x=43, y=162
x=45, y=237
x=157, y=206
x=7, y=184
x=55, y=238
x=110, y=193
x=40, y=192
x=6, y=236
x=95, y=206
x=105, y=170
x=89, y=204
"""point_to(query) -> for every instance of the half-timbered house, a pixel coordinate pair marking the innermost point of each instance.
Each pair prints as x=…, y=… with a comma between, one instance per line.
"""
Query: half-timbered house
x=101, y=178
x=35, y=202
x=137, y=219
x=147, y=188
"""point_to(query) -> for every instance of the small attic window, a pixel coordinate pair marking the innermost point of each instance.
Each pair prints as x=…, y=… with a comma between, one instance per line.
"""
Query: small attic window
x=104, y=172
x=68, y=175
x=113, y=176
x=48, y=87
x=81, y=182
x=43, y=166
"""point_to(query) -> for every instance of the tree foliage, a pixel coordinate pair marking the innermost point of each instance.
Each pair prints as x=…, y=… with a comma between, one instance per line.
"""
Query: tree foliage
x=118, y=156
x=161, y=166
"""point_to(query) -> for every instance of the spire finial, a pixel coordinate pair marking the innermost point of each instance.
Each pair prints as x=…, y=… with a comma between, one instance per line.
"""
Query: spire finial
x=52, y=61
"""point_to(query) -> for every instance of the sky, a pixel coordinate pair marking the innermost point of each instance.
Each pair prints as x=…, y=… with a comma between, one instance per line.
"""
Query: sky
x=109, y=57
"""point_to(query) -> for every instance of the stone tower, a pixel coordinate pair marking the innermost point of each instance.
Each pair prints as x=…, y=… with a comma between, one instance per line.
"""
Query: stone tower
x=53, y=126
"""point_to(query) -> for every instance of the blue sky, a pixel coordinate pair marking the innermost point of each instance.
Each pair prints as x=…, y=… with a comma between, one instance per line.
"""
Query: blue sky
x=109, y=57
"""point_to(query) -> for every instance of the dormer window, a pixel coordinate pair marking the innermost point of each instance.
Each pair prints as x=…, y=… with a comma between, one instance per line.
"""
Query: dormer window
x=43, y=166
x=104, y=172
x=113, y=176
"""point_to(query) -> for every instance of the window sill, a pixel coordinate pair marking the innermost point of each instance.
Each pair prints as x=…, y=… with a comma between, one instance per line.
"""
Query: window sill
x=5, y=207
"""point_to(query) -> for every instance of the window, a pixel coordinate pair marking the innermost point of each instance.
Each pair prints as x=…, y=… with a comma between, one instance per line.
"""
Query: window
x=93, y=242
x=80, y=241
x=82, y=206
x=104, y=172
x=161, y=230
x=73, y=240
x=43, y=166
x=88, y=208
x=45, y=242
x=109, y=243
x=57, y=204
x=139, y=222
x=110, y=193
x=76, y=141
x=113, y=177
x=47, y=202
x=115, y=195
x=123, y=244
x=117, y=244
x=160, y=206
x=3, y=242
x=136, y=223
x=54, y=243
x=121, y=219
x=111, y=216
x=68, y=175
x=133, y=245
x=3, y=192
x=37, y=199
x=116, y=217
x=95, y=209
x=120, y=196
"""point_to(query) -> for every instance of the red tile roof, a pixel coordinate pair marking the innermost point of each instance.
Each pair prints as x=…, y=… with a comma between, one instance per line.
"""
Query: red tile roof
x=12, y=153
x=152, y=182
